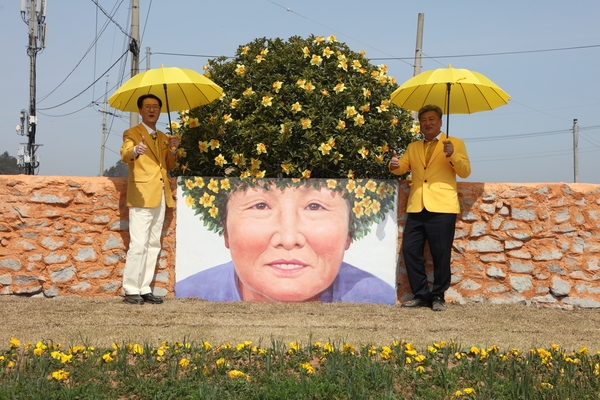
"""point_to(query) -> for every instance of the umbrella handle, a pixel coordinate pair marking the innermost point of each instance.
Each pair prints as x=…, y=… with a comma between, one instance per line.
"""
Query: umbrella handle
x=447, y=109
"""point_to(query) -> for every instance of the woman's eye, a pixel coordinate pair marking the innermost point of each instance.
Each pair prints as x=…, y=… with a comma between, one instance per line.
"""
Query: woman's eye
x=260, y=206
x=315, y=207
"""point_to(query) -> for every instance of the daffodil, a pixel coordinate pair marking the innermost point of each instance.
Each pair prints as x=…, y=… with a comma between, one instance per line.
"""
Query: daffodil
x=267, y=101
x=234, y=103
x=258, y=59
x=339, y=88
x=203, y=146
x=60, y=375
x=331, y=39
x=316, y=60
x=306, y=123
x=341, y=125
x=327, y=52
x=309, y=369
x=214, y=144
x=261, y=148
x=295, y=108
x=286, y=168
x=306, y=52
x=350, y=111
x=184, y=362
x=248, y=92
x=277, y=86
x=306, y=174
x=193, y=123
x=240, y=70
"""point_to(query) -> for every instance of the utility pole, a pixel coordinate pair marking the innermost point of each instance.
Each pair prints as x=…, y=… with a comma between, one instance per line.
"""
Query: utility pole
x=103, y=143
x=575, y=151
x=418, y=52
x=33, y=13
x=134, y=48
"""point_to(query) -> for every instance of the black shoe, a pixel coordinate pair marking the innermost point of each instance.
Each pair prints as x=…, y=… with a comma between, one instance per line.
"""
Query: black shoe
x=416, y=303
x=150, y=298
x=438, y=305
x=133, y=299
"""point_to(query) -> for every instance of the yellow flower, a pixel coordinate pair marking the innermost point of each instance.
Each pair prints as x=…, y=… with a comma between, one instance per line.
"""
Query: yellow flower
x=316, y=60
x=214, y=144
x=309, y=87
x=277, y=86
x=234, y=103
x=259, y=174
x=175, y=126
x=286, y=168
x=339, y=88
x=365, y=107
x=220, y=160
x=327, y=52
x=341, y=125
x=420, y=369
x=306, y=52
x=60, y=375
x=248, y=92
x=363, y=152
x=107, y=358
x=266, y=101
x=206, y=200
x=306, y=174
x=325, y=92
x=356, y=65
x=264, y=51
x=244, y=50
x=383, y=107
x=366, y=92
x=207, y=346
x=583, y=351
x=294, y=348
x=283, y=128
x=319, y=39
x=261, y=148
x=301, y=83
x=240, y=70
x=331, y=39
x=343, y=63
x=258, y=59
x=234, y=373
x=350, y=174
x=227, y=118
x=306, y=123
x=184, y=362
x=308, y=368
x=359, y=120
x=137, y=349
x=420, y=358
x=255, y=164
x=295, y=108
x=193, y=123
x=350, y=111
x=324, y=148
x=14, y=343
x=469, y=391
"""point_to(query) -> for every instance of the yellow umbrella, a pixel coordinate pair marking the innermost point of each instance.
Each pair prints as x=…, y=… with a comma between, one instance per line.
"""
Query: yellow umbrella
x=455, y=91
x=182, y=89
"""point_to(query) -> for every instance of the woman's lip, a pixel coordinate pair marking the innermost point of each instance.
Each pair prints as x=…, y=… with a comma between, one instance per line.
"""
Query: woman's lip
x=287, y=264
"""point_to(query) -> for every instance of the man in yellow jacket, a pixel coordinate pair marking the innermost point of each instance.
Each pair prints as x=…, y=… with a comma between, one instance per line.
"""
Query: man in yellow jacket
x=432, y=206
x=149, y=156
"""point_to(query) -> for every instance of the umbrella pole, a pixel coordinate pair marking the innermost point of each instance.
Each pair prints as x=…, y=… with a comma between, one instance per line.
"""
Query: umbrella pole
x=168, y=110
x=447, y=110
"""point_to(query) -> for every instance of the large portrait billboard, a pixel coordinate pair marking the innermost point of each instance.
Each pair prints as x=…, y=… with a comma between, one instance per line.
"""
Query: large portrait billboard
x=287, y=240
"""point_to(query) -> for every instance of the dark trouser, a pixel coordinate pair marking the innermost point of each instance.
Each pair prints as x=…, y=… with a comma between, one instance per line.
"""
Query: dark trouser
x=438, y=230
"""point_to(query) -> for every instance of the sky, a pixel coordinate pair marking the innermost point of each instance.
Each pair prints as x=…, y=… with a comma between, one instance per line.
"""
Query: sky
x=545, y=55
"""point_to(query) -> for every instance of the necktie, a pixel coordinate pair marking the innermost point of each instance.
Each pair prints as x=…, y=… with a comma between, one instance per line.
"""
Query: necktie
x=429, y=146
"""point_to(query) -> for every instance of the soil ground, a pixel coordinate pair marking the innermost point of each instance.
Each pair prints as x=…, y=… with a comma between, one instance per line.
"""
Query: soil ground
x=101, y=321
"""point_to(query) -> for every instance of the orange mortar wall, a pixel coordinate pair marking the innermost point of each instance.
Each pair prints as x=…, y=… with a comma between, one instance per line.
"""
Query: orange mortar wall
x=515, y=243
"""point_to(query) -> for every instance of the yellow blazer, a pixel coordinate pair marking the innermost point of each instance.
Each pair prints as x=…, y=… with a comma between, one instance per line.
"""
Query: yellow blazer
x=433, y=186
x=147, y=173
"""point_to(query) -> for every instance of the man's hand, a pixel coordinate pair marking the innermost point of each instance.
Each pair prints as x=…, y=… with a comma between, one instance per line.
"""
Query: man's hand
x=448, y=148
x=173, y=142
x=141, y=147
x=394, y=162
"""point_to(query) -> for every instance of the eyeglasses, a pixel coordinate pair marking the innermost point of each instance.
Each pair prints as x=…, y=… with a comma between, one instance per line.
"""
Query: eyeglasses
x=151, y=107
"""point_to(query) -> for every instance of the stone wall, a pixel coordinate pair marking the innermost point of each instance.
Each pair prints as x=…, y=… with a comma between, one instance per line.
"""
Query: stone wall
x=515, y=243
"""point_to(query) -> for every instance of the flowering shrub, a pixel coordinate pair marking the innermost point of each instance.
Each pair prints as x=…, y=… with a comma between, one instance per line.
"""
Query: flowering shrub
x=302, y=108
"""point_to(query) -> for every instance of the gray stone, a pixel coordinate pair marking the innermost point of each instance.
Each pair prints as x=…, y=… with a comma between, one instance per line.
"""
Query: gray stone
x=6, y=279
x=162, y=276
x=495, y=272
x=581, y=302
x=560, y=287
x=547, y=299
x=548, y=256
x=562, y=216
x=583, y=288
x=512, y=244
x=469, y=284
x=521, y=283
x=488, y=208
x=496, y=289
x=85, y=254
x=83, y=286
x=469, y=216
x=523, y=215
x=113, y=242
x=493, y=257
x=520, y=254
x=49, y=199
x=556, y=269
x=111, y=259
x=100, y=273
x=54, y=258
x=485, y=245
x=63, y=274
x=52, y=244
x=522, y=268
x=101, y=219
x=26, y=245
x=522, y=236
x=111, y=287
x=160, y=292
x=51, y=292
x=508, y=300
x=478, y=229
x=10, y=263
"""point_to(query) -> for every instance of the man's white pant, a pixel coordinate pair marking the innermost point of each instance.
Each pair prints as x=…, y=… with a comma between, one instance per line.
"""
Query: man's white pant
x=145, y=228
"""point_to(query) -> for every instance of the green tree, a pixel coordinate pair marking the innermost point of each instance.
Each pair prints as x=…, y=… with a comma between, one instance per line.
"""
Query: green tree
x=8, y=165
x=117, y=170
x=298, y=108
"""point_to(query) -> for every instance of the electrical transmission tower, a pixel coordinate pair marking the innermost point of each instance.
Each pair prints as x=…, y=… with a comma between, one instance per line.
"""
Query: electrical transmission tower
x=33, y=13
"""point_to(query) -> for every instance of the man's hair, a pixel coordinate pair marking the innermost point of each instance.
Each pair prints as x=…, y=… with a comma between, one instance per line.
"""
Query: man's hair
x=140, y=101
x=430, y=107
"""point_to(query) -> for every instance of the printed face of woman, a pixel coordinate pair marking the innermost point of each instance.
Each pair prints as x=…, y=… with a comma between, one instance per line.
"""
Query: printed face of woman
x=286, y=246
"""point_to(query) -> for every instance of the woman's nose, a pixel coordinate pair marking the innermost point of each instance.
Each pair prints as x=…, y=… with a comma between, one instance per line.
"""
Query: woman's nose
x=288, y=231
